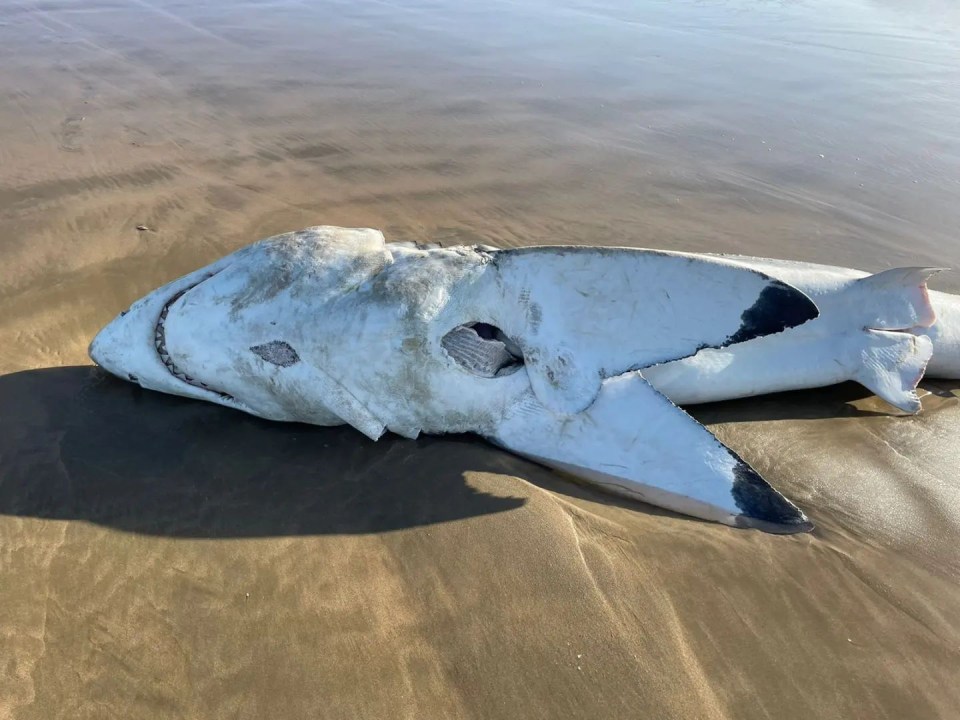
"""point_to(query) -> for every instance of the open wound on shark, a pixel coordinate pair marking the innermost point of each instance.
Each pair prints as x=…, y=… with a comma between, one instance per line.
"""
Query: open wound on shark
x=543, y=351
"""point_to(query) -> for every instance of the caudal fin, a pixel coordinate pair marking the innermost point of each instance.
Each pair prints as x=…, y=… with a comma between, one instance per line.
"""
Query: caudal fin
x=891, y=364
x=895, y=299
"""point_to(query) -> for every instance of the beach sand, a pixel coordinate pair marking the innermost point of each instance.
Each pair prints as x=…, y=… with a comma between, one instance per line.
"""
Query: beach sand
x=164, y=558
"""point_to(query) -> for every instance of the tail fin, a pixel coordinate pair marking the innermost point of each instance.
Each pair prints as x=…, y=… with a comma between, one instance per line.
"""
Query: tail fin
x=892, y=363
x=896, y=299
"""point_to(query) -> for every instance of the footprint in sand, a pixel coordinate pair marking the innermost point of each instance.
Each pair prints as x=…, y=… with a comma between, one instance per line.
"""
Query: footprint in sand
x=71, y=133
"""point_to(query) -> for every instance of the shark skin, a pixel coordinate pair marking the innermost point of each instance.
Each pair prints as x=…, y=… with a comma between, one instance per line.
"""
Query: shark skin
x=883, y=331
x=535, y=349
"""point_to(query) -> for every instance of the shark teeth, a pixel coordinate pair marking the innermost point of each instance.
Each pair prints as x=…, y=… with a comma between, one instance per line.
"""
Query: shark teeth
x=160, y=343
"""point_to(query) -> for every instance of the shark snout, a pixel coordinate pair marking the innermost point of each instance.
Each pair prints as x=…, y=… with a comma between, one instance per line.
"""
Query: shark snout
x=132, y=345
x=126, y=346
x=106, y=348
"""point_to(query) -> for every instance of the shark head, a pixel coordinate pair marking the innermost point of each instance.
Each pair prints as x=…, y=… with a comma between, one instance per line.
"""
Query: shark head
x=540, y=350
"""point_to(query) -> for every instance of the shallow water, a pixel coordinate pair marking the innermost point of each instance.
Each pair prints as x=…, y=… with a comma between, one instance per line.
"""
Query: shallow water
x=162, y=558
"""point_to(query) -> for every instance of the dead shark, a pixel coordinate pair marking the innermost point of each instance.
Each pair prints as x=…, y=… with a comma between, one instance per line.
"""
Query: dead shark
x=536, y=349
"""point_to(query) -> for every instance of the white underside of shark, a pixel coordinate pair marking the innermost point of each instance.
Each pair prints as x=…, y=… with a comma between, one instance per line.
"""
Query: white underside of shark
x=545, y=351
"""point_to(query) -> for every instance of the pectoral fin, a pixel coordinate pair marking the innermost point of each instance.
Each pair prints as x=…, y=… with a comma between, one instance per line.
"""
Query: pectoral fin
x=581, y=315
x=633, y=441
x=624, y=309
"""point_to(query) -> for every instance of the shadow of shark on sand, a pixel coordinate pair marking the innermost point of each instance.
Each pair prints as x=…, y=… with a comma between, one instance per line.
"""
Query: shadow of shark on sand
x=77, y=444
x=847, y=400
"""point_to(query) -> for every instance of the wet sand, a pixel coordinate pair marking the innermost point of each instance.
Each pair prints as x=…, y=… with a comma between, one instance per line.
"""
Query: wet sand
x=164, y=558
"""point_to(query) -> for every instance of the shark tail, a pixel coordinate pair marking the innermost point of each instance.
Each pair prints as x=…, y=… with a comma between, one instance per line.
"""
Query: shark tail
x=895, y=299
x=897, y=308
x=891, y=364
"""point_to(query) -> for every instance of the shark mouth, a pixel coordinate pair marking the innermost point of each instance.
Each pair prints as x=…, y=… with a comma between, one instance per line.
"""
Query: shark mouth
x=160, y=343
